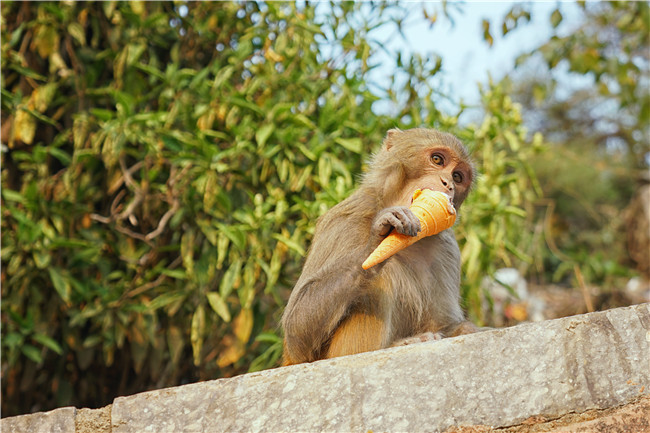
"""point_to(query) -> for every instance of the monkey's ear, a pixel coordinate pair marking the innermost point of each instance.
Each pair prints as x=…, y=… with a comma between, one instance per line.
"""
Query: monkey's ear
x=390, y=137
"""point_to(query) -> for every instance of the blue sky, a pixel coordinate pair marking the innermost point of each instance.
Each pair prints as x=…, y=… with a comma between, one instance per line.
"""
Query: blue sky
x=466, y=57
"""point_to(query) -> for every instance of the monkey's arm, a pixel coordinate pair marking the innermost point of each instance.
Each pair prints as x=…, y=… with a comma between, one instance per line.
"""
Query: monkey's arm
x=322, y=296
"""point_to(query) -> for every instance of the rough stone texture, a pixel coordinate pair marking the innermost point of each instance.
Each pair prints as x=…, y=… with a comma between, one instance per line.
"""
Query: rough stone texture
x=582, y=373
x=633, y=417
x=495, y=378
x=56, y=421
x=93, y=420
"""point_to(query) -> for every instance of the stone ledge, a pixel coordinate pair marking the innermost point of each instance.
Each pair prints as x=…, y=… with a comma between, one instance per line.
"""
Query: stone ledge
x=56, y=421
x=512, y=378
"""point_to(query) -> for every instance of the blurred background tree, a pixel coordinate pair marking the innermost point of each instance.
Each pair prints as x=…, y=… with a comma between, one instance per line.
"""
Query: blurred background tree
x=164, y=164
x=588, y=93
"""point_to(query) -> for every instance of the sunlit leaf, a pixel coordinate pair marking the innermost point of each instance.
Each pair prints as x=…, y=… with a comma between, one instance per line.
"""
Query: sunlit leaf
x=556, y=18
x=263, y=134
x=243, y=325
x=24, y=127
x=48, y=342
x=77, y=32
x=218, y=305
x=487, y=37
x=197, y=333
x=353, y=144
x=233, y=351
x=46, y=40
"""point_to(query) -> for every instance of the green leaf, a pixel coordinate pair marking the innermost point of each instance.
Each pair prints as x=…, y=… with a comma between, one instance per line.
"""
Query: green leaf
x=208, y=231
x=222, y=76
x=353, y=144
x=32, y=353
x=76, y=31
x=268, y=337
x=61, y=284
x=11, y=195
x=290, y=243
x=219, y=305
x=237, y=237
x=556, y=18
x=92, y=341
x=229, y=277
x=60, y=155
x=263, y=134
x=222, y=249
x=241, y=102
x=42, y=258
x=179, y=274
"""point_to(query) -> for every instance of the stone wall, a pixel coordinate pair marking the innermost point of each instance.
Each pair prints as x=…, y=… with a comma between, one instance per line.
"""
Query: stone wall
x=586, y=373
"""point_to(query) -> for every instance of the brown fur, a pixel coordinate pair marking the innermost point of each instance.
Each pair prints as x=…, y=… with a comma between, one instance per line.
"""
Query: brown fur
x=337, y=308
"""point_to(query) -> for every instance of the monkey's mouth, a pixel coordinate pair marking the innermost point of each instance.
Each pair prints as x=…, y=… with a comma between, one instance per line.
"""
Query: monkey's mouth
x=422, y=189
x=450, y=204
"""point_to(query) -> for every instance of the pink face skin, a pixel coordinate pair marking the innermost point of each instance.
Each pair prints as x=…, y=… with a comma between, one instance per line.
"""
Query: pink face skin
x=446, y=173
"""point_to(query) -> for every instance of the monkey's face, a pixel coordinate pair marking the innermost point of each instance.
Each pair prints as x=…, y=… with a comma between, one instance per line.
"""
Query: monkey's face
x=422, y=158
x=446, y=172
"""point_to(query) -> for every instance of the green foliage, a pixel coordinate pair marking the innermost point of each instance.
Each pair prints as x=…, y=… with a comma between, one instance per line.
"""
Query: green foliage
x=165, y=166
x=497, y=229
x=600, y=131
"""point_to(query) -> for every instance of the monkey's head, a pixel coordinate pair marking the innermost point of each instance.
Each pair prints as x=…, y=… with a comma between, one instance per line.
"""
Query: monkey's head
x=421, y=158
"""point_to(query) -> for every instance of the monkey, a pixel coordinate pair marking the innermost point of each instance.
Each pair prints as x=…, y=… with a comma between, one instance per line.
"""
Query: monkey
x=336, y=308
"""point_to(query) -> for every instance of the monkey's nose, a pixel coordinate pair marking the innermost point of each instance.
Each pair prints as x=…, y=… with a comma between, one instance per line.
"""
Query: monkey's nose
x=447, y=183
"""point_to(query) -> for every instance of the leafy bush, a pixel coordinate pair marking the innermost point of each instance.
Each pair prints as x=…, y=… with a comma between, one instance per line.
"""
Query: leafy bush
x=165, y=164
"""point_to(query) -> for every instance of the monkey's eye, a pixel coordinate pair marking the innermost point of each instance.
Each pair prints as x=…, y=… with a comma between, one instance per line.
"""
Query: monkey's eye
x=437, y=159
x=458, y=177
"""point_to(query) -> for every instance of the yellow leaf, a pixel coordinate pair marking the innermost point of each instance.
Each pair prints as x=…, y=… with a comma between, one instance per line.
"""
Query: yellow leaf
x=243, y=325
x=24, y=127
x=211, y=191
x=187, y=251
x=273, y=56
x=197, y=333
x=137, y=7
x=46, y=40
x=232, y=353
x=42, y=96
x=175, y=343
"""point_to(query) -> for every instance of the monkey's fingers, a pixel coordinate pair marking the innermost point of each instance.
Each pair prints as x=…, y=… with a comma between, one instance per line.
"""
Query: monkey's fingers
x=435, y=215
x=404, y=221
x=400, y=218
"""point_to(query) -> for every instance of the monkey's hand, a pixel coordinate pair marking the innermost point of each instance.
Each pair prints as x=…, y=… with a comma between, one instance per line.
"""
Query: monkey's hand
x=400, y=218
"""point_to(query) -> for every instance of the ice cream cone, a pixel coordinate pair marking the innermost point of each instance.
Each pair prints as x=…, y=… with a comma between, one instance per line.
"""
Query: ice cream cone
x=435, y=212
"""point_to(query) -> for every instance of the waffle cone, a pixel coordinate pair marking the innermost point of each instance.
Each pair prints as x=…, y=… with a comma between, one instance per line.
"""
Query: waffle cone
x=435, y=212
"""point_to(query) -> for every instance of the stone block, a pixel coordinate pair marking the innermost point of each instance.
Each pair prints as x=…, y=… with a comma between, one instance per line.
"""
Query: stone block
x=495, y=378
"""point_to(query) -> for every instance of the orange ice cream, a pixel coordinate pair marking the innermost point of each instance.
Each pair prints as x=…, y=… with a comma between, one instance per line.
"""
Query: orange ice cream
x=435, y=212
